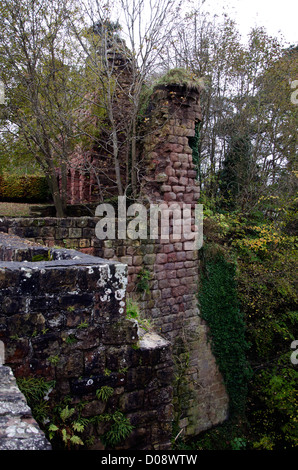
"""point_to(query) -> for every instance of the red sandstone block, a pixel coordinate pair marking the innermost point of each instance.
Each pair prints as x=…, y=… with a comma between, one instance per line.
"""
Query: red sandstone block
x=188, y=280
x=172, y=257
x=181, y=172
x=131, y=280
x=192, y=271
x=50, y=242
x=183, y=158
x=183, y=181
x=175, y=309
x=161, y=258
x=172, y=300
x=189, y=264
x=137, y=260
x=168, y=266
x=166, y=293
x=181, y=272
x=176, y=148
x=149, y=259
x=192, y=255
x=173, y=139
x=109, y=253
x=189, y=246
x=178, y=189
x=181, y=256
x=165, y=188
x=188, y=198
x=161, y=275
x=130, y=250
x=163, y=284
x=170, y=196
x=171, y=274
x=173, y=180
x=192, y=288
x=177, y=291
x=168, y=248
x=183, y=140
x=169, y=171
x=159, y=268
x=174, y=157
x=179, y=265
x=178, y=246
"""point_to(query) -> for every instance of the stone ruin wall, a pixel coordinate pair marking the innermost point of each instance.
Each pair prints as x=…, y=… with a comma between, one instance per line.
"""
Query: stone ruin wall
x=200, y=399
x=43, y=306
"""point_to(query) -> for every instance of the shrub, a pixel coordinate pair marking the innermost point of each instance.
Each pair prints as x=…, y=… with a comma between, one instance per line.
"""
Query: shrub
x=26, y=188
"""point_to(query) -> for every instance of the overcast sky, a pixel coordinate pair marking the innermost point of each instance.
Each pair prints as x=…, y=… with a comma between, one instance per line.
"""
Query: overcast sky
x=279, y=17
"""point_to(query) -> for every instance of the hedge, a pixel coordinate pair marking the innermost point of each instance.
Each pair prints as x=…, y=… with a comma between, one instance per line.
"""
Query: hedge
x=25, y=188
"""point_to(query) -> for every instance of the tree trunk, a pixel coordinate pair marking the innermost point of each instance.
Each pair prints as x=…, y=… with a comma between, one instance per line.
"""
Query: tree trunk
x=63, y=188
x=134, y=159
x=55, y=190
x=116, y=161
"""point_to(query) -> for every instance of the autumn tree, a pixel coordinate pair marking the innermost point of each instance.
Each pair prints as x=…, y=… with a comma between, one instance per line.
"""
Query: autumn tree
x=246, y=98
x=43, y=85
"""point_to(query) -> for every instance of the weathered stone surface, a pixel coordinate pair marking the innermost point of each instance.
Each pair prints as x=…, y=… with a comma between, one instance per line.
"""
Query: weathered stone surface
x=64, y=319
x=18, y=429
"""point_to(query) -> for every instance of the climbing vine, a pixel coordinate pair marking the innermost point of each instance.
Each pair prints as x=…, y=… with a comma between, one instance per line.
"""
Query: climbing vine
x=220, y=309
x=194, y=145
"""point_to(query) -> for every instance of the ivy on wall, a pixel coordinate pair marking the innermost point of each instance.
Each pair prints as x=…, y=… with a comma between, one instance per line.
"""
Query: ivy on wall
x=219, y=307
x=194, y=145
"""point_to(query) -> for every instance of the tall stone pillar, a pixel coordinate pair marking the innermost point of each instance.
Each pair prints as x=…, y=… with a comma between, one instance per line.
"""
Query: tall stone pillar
x=171, y=177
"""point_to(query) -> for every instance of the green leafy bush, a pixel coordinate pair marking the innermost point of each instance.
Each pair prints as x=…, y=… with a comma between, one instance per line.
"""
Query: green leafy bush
x=262, y=285
x=268, y=295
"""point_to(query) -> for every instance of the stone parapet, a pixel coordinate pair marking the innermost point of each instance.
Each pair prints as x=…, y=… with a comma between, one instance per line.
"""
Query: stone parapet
x=63, y=318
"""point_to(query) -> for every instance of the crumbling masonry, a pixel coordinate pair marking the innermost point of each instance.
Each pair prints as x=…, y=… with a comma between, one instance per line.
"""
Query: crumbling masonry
x=194, y=396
